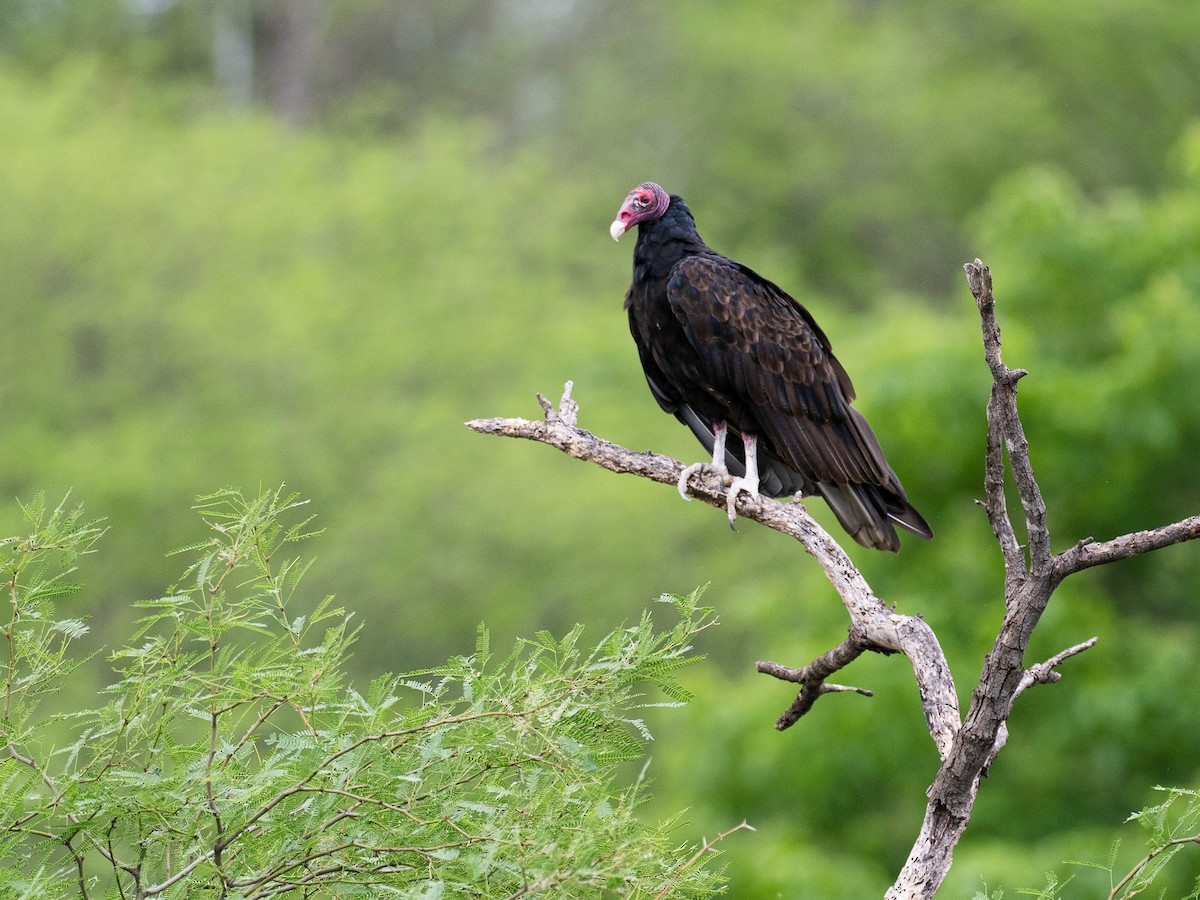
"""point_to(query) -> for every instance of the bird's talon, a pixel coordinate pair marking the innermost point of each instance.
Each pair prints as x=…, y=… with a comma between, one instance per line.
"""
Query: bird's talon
x=687, y=473
x=739, y=486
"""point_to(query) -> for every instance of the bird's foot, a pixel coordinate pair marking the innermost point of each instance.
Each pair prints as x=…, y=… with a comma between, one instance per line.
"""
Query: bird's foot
x=691, y=470
x=687, y=473
x=747, y=486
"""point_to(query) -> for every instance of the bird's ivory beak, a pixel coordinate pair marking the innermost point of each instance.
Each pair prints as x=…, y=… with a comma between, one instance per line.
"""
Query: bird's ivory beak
x=617, y=229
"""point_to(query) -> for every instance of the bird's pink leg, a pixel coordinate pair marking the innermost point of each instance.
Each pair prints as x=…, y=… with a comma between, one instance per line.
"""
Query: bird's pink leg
x=748, y=484
x=718, y=461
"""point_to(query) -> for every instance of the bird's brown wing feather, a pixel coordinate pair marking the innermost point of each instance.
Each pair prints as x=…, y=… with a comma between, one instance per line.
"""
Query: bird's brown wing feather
x=761, y=353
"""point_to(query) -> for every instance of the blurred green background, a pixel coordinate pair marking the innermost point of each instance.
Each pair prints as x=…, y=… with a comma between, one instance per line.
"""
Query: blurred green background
x=253, y=242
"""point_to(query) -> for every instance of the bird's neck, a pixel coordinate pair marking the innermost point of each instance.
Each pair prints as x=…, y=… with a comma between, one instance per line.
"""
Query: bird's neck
x=664, y=242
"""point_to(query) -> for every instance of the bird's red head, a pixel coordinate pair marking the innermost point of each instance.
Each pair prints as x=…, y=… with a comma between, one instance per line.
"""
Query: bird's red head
x=645, y=203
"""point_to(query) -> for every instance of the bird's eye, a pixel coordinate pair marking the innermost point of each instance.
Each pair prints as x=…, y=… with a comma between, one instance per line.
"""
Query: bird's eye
x=641, y=201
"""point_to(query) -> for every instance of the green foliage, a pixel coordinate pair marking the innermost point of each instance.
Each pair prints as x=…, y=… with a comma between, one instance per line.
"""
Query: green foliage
x=294, y=291
x=1172, y=825
x=198, y=296
x=232, y=755
x=35, y=569
x=861, y=134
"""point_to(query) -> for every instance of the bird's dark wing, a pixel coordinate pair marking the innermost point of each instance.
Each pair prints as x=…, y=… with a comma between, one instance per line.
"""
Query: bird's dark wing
x=655, y=377
x=760, y=354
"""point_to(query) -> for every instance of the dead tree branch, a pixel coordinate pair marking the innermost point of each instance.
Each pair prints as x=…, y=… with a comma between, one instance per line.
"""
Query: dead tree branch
x=1029, y=583
x=874, y=626
x=812, y=677
x=966, y=746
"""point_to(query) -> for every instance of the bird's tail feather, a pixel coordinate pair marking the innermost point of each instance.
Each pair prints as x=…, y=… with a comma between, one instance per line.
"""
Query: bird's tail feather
x=861, y=515
x=868, y=514
x=905, y=515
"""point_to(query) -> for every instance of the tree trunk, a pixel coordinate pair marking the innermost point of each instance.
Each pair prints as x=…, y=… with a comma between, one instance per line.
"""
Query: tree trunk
x=233, y=51
x=290, y=32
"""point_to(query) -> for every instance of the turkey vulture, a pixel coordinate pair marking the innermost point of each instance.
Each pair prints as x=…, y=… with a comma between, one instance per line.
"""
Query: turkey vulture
x=724, y=348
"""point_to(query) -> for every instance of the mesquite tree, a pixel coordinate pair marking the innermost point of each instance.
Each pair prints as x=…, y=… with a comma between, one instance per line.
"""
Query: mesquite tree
x=966, y=744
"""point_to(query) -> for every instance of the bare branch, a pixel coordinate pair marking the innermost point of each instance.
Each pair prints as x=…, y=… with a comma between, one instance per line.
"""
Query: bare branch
x=812, y=677
x=876, y=625
x=979, y=277
x=1027, y=592
x=1089, y=553
x=568, y=409
x=1004, y=428
x=1044, y=672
